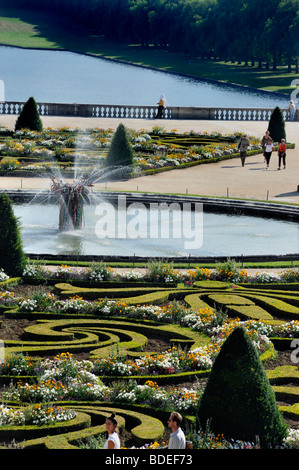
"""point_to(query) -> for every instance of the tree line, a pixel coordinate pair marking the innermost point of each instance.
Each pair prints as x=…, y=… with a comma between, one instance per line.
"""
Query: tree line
x=252, y=31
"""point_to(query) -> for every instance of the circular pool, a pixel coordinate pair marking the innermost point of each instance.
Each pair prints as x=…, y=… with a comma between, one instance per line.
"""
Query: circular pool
x=152, y=227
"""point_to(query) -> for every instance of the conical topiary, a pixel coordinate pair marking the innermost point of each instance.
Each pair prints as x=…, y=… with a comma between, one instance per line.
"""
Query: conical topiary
x=238, y=400
x=120, y=152
x=276, y=125
x=12, y=258
x=29, y=117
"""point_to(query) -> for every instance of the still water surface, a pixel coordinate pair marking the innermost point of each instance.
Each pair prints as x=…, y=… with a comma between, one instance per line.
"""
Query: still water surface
x=66, y=77
x=222, y=235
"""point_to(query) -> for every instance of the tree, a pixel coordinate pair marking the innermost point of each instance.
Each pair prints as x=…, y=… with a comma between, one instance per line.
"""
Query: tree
x=12, y=257
x=120, y=152
x=276, y=125
x=238, y=400
x=29, y=117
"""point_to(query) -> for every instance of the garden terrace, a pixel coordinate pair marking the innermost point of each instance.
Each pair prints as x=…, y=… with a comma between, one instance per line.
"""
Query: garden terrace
x=27, y=153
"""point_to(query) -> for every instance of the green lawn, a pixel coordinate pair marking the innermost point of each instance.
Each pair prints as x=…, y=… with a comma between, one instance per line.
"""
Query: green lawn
x=40, y=30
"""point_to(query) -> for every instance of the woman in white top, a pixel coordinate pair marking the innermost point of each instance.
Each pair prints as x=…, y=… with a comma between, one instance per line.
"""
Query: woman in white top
x=113, y=441
x=268, y=151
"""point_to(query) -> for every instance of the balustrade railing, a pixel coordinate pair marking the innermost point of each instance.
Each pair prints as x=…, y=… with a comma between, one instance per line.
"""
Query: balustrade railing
x=247, y=114
x=146, y=112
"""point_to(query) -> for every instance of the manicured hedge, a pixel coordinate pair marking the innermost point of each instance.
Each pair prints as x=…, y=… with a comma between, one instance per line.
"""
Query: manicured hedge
x=283, y=286
x=282, y=379
x=283, y=375
x=153, y=298
x=144, y=428
x=19, y=433
x=99, y=336
x=195, y=301
x=66, y=290
x=10, y=282
x=277, y=307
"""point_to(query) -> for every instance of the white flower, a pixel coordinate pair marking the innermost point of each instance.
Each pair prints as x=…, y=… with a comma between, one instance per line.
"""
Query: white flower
x=28, y=305
x=3, y=276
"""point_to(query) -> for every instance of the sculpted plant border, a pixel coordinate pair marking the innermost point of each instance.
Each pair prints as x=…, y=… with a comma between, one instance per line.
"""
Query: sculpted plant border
x=276, y=299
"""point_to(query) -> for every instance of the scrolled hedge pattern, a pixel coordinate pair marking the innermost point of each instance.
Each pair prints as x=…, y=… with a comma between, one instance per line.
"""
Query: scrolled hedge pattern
x=97, y=336
x=143, y=427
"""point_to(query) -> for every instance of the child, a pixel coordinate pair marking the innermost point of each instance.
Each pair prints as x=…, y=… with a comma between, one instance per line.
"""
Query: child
x=282, y=153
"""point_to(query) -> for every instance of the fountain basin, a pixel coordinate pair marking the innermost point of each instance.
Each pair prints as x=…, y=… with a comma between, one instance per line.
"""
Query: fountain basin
x=230, y=228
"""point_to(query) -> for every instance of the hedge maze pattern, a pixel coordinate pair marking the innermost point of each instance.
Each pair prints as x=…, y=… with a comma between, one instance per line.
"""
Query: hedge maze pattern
x=49, y=337
x=90, y=421
x=51, y=334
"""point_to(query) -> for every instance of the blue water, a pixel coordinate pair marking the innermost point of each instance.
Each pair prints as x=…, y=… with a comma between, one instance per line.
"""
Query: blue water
x=66, y=77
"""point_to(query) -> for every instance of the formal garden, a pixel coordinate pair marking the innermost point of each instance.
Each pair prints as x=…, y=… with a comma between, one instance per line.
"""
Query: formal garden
x=81, y=340
x=30, y=153
x=26, y=152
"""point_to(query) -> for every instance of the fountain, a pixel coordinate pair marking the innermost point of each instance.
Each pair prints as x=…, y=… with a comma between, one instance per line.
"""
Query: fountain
x=71, y=197
x=87, y=223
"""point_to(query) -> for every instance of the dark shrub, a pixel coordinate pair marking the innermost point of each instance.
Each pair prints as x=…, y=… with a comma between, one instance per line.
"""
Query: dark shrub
x=12, y=257
x=120, y=153
x=239, y=401
x=276, y=125
x=29, y=117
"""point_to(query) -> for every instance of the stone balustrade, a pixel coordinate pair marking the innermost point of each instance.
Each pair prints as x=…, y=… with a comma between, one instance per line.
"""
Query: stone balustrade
x=145, y=112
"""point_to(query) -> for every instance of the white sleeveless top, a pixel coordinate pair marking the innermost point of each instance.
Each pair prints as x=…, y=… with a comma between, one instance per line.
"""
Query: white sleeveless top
x=114, y=438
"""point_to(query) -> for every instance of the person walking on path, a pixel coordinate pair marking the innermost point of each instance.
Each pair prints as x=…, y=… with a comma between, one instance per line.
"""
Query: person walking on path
x=243, y=147
x=282, y=148
x=264, y=141
x=268, y=151
x=162, y=104
x=177, y=438
x=292, y=109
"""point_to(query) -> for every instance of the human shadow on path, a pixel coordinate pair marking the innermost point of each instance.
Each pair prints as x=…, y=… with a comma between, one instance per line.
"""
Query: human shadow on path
x=290, y=194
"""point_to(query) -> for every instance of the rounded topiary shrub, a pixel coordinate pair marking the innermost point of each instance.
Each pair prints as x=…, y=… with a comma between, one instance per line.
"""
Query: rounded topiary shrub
x=29, y=117
x=276, y=125
x=238, y=400
x=12, y=257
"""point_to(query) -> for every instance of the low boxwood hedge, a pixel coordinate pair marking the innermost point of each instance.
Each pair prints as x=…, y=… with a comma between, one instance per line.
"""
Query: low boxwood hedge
x=248, y=312
x=155, y=298
x=99, y=336
x=277, y=307
x=291, y=411
x=283, y=286
x=144, y=428
x=82, y=420
x=66, y=290
x=284, y=393
x=283, y=375
x=194, y=301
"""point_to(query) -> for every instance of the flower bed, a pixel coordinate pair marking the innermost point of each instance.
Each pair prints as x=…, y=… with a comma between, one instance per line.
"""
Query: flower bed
x=116, y=379
x=160, y=273
x=39, y=415
x=153, y=150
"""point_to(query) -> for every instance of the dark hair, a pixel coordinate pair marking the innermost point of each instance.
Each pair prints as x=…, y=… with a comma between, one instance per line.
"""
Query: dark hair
x=112, y=419
x=177, y=418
